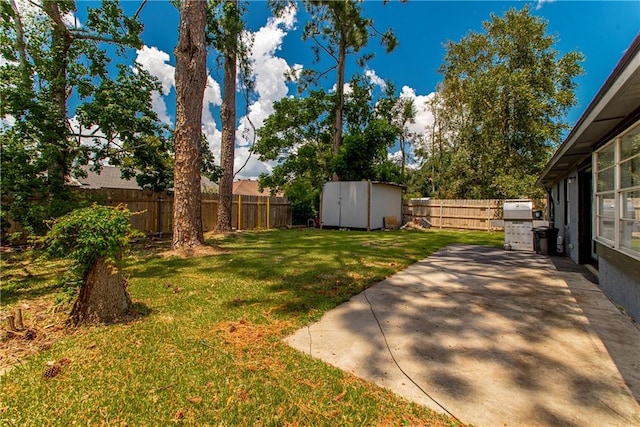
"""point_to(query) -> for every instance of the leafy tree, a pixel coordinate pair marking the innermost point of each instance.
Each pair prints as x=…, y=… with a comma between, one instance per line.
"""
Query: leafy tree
x=95, y=239
x=305, y=199
x=298, y=136
x=369, y=132
x=503, y=97
x=48, y=61
x=403, y=113
x=338, y=29
x=191, y=78
x=152, y=165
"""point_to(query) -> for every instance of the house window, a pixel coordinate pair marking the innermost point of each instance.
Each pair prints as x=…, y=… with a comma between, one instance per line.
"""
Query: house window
x=617, y=192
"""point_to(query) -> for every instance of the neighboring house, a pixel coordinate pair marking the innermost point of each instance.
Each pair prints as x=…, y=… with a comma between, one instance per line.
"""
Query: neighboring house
x=249, y=187
x=593, y=182
x=110, y=177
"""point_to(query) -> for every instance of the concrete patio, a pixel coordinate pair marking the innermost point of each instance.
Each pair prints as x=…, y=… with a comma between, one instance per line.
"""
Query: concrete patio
x=494, y=338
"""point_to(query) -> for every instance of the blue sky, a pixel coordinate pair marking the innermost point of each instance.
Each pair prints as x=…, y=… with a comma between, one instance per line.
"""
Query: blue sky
x=601, y=30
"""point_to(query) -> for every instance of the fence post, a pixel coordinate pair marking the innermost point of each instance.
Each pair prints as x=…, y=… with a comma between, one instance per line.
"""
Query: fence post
x=239, y=212
x=160, y=216
x=258, y=213
x=441, y=204
x=268, y=213
x=488, y=218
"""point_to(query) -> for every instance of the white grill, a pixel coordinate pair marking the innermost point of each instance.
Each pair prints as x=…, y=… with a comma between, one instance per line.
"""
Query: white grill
x=518, y=223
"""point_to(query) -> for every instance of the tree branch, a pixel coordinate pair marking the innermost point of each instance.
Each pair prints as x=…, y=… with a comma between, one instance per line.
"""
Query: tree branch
x=323, y=47
x=326, y=72
x=144, y=2
x=52, y=10
x=35, y=4
x=80, y=35
x=20, y=35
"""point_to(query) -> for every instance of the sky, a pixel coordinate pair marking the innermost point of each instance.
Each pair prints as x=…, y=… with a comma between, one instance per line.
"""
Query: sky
x=601, y=30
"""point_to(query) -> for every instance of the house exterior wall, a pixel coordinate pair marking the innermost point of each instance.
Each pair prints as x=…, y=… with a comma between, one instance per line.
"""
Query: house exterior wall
x=603, y=149
x=564, y=195
x=571, y=229
x=621, y=286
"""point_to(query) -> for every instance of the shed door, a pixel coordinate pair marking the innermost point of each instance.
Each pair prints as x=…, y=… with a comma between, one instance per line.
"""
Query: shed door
x=354, y=199
x=331, y=204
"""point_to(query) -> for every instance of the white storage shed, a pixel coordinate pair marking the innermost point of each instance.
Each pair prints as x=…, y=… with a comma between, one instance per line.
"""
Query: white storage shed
x=359, y=204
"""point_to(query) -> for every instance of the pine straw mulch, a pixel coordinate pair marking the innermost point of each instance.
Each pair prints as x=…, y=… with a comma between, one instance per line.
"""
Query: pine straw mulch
x=44, y=324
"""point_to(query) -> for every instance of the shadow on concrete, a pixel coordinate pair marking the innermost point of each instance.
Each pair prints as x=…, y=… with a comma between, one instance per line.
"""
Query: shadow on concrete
x=617, y=331
x=493, y=337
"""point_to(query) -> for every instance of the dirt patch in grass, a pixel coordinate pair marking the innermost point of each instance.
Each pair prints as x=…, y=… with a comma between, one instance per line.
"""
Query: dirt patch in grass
x=188, y=253
x=243, y=334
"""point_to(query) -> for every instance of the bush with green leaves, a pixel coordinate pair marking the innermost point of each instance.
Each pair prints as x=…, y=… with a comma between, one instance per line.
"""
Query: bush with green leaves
x=88, y=234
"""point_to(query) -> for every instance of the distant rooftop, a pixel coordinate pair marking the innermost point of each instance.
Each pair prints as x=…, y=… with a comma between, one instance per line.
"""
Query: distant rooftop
x=250, y=187
x=110, y=177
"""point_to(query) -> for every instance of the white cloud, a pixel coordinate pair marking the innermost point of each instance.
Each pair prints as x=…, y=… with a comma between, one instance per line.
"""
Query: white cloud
x=71, y=21
x=212, y=98
x=155, y=62
x=31, y=8
x=92, y=135
x=542, y=3
x=424, y=118
x=7, y=121
x=270, y=85
x=346, y=89
x=253, y=167
x=395, y=157
x=375, y=79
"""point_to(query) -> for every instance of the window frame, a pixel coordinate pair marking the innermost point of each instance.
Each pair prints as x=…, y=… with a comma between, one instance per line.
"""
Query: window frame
x=617, y=193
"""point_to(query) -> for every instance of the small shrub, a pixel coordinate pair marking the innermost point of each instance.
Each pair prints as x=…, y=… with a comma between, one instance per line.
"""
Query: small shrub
x=87, y=234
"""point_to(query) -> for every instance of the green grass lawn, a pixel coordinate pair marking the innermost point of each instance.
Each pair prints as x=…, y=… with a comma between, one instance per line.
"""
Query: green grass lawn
x=205, y=348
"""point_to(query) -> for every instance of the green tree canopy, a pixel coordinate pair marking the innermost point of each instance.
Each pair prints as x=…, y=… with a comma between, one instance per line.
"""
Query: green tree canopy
x=49, y=62
x=298, y=137
x=501, y=108
x=337, y=29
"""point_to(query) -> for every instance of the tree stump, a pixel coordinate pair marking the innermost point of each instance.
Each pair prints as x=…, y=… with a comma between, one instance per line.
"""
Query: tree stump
x=103, y=298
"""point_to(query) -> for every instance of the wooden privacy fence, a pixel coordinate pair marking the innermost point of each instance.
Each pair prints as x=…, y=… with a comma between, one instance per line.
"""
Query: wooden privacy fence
x=156, y=210
x=460, y=214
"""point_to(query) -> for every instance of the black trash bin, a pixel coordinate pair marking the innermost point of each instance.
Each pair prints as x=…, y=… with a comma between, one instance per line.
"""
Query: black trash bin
x=544, y=240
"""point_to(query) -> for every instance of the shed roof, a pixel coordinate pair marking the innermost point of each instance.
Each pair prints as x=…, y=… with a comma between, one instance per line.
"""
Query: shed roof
x=617, y=100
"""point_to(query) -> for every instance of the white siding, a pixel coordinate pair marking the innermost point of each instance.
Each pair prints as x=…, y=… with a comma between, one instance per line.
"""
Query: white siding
x=346, y=204
x=386, y=200
x=354, y=202
x=330, y=214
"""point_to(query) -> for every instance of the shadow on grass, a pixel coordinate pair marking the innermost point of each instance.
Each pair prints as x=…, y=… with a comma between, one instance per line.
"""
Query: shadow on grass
x=138, y=311
x=298, y=272
x=27, y=289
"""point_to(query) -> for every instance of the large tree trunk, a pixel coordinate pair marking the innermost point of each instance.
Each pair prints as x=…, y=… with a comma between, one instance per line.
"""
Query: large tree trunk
x=228, y=118
x=337, y=134
x=191, y=78
x=58, y=167
x=104, y=296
